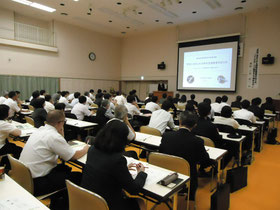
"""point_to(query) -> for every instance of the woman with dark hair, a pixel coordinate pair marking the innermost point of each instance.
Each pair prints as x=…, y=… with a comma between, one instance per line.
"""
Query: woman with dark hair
x=106, y=172
x=40, y=114
x=5, y=130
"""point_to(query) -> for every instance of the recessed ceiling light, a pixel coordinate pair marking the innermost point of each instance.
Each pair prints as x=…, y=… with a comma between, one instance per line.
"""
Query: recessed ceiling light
x=62, y=4
x=35, y=5
x=194, y=12
x=75, y=0
x=123, y=32
x=170, y=22
x=140, y=13
x=63, y=13
x=157, y=20
x=119, y=3
x=238, y=8
x=243, y=1
x=110, y=21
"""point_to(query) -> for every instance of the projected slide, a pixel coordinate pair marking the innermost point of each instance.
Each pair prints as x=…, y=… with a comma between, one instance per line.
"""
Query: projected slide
x=208, y=68
x=208, y=64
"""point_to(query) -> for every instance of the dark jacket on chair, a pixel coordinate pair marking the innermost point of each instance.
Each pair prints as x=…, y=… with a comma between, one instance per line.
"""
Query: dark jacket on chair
x=183, y=143
x=107, y=175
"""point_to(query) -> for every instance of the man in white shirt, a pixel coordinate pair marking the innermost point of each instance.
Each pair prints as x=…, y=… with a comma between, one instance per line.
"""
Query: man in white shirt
x=223, y=103
x=42, y=93
x=226, y=118
x=216, y=106
x=76, y=99
x=48, y=103
x=63, y=99
x=120, y=99
x=91, y=94
x=132, y=106
x=160, y=119
x=4, y=97
x=109, y=112
x=89, y=101
x=244, y=113
x=41, y=152
x=80, y=109
x=71, y=97
x=153, y=106
x=12, y=103
x=6, y=129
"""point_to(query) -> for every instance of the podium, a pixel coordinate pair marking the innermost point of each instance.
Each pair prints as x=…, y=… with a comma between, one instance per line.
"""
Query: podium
x=159, y=93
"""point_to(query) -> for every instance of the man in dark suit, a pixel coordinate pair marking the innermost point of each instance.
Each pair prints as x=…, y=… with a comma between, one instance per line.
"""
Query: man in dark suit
x=256, y=109
x=162, y=87
x=237, y=102
x=185, y=144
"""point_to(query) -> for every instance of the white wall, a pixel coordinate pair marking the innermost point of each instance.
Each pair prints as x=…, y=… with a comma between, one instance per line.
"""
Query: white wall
x=141, y=53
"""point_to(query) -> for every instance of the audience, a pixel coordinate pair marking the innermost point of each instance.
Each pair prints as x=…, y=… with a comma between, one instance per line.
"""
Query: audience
x=132, y=106
x=226, y=118
x=35, y=95
x=76, y=99
x=182, y=101
x=164, y=97
x=120, y=99
x=212, y=113
x=60, y=106
x=40, y=114
x=149, y=98
x=80, y=110
x=160, y=119
x=101, y=117
x=42, y=93
x=153, y=105
x=237, y=102
x=268, y=105
x=243, y=113
x=216, y=106
x=12, y=103
x=63, y=98
x=48, y=103
x=4, y=97
x=177, y=98
x=255, y=108
x=192, y=101
x=106, y=171
x=223, y=103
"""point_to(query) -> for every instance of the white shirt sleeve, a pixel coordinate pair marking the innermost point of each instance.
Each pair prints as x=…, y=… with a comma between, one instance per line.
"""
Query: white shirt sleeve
x=60, y=147
x=171, y=122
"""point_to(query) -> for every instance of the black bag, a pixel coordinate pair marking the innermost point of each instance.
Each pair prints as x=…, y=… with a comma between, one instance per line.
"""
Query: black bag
x=237, y=178
x=220, y=199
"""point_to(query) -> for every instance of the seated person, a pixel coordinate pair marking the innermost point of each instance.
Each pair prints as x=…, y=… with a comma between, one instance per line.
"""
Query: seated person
x=164, y=97
x=160, y=119
x=192, y=101
x=80, y=110
x=63, y=98
x=56, y=96
x=185, y=144
x=244, y=113
x=76, y=99
x=42, y=93
x=223, y=103
x=40, y=114
x=4, y=97
x=173, y=107
x=237, y=102
x=153, y=105
x=212, y=113
x=149, y=98
x=91, y=94
x=190, y=108
x=177, y=98
x=89, y=101
x=255, y=108
x=106, y=171
x=132, y=106
x=216, y=106
x=12, y=103
x=111, y=109
x=48, y=103
x=60, y=106
x=205, y=127
x=101, y=117
x=6, y=129
x=98, y=99
x=35, y=95
x=120, y=98
x=268, y=105
x=182, y=101
x=45, y=146
x=226, y=118
x=133, y=93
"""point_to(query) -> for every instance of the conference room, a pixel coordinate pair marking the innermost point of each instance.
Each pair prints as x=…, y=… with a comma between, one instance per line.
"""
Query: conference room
x=208, y=48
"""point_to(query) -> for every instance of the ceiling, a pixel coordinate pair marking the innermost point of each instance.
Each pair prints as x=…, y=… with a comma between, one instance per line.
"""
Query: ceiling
x=133, y=16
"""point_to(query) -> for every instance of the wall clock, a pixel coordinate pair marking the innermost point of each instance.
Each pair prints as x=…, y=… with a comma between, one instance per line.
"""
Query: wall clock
x=92, y=56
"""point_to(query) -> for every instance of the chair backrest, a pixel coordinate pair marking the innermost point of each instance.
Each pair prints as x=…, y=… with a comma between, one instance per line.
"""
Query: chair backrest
x=207, y=142
x=243, y=122
x=235, y=108
x=268, y=111
x=21, y=174
x=31, y=108
x=145, y=111
x=149, y=130
x=29, y=120
x=217, y=114
x=225, y=128
x=80, y=198
x=70, y=115
x=170, y=162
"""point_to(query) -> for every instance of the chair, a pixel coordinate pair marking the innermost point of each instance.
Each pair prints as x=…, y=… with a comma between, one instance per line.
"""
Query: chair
x=145, y=111
x=80, y=198
x=268, y=111
x=207, y=142
x=22, y=175
x=173, y=163
x=235, y=108
x=243, y=122
x=150, y=130
x=29, y=120
x=31, y=108
x=225, y=128
x=70, y=115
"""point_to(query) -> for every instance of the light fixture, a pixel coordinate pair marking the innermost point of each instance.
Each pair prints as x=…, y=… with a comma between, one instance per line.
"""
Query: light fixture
x=35, y=5
x=76, y=0
x=142, y=77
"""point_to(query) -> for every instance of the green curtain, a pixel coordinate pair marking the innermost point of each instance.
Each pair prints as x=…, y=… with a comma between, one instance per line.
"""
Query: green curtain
x=26, y=85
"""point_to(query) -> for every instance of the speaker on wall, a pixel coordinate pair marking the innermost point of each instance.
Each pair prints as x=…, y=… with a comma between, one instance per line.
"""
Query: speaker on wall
x=161, y=66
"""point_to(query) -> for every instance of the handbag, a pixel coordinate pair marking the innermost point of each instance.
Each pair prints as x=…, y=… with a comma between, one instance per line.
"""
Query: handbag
x=220, y=199
x=237, y=178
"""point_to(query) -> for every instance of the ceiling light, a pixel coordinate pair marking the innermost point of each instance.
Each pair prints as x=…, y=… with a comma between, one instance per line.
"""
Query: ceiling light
x=42, y=7
x=76, y=0
x=25, y=2
x=35, y=5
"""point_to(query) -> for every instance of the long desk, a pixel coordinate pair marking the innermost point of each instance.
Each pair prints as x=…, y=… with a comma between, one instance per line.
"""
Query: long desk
x=15, y=197
x=80, y=124
x=151, y=190
x=26, y=129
